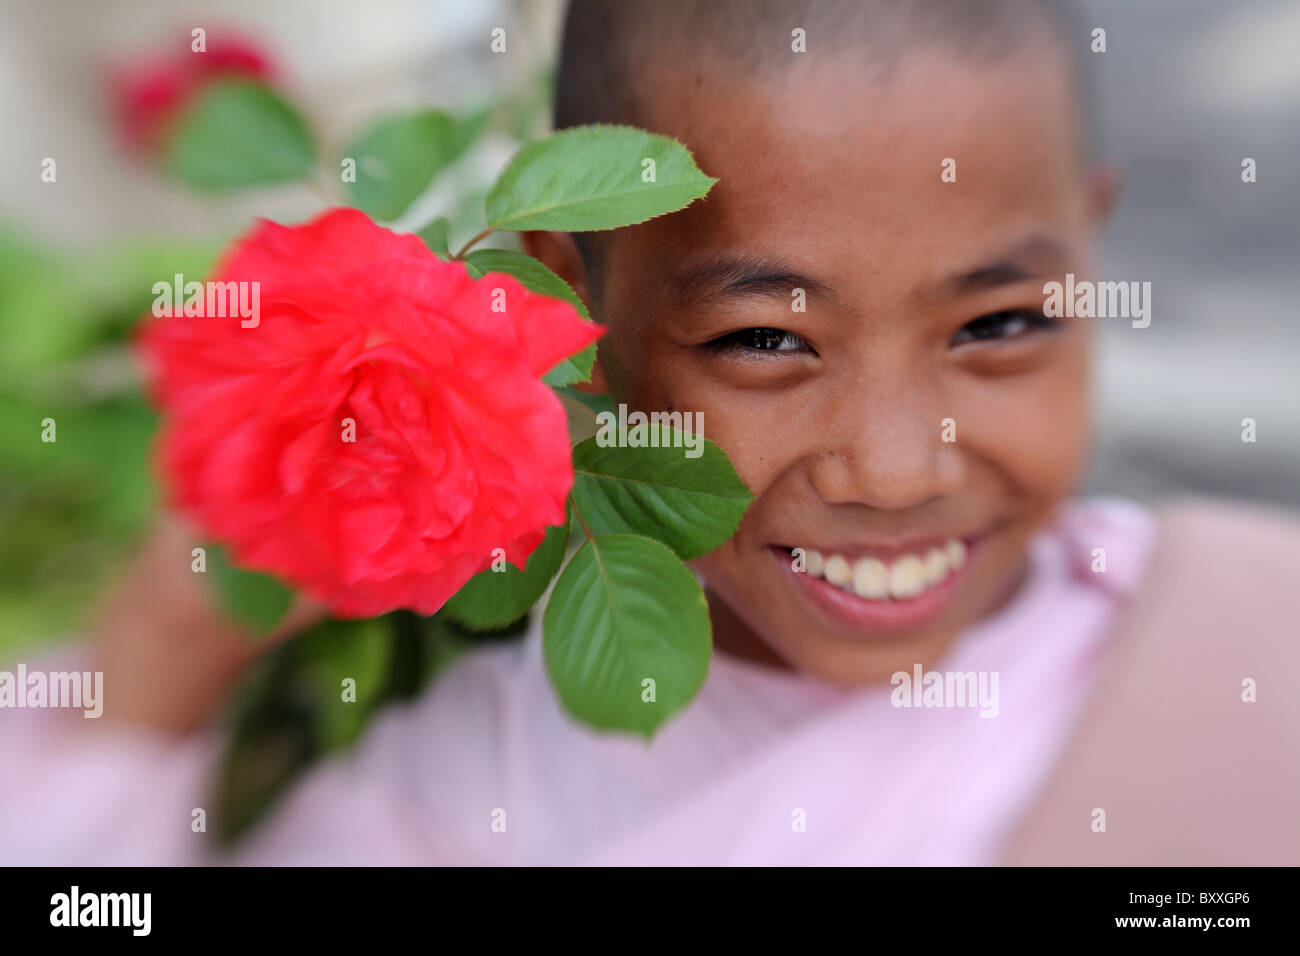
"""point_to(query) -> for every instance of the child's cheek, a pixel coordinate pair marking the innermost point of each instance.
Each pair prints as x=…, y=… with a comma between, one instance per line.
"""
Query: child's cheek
x=1039, y=436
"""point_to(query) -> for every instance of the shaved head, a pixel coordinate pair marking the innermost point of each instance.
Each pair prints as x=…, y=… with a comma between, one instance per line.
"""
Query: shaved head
x=618, y=57
x=612, y=47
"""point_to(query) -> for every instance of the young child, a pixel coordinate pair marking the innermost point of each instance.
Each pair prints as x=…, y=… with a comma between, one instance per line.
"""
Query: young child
x=857, y=309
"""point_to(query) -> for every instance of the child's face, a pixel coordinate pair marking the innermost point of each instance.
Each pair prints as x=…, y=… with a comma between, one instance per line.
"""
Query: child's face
x=830, y=182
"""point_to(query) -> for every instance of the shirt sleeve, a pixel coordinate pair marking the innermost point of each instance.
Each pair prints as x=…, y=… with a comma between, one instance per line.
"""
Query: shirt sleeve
x=80, y=795
x=419, y=790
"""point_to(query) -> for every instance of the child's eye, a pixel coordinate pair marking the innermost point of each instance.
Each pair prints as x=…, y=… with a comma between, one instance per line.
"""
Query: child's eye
x=759, y=340
x=1002, y=325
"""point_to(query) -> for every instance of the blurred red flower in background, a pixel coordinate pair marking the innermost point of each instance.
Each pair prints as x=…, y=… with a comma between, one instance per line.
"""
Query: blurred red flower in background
x=148, y=95
x=459, y=448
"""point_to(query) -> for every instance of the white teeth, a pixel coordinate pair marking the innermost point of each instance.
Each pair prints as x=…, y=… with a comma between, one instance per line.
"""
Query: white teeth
x=873, y=580
x=906, y=577
x=936, y=566
x=814, y=563
x=870, y=579
x=838, y=571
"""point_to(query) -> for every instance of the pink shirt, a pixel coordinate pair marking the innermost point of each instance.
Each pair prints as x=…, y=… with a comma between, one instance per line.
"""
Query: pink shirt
x=765, y=767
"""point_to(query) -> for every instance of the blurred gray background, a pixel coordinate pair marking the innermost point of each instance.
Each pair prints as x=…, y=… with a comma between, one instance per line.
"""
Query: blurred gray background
x=1188, y=88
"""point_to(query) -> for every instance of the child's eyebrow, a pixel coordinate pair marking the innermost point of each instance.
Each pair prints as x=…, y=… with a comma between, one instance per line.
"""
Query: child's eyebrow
x=1038, y=254
x=731, y=275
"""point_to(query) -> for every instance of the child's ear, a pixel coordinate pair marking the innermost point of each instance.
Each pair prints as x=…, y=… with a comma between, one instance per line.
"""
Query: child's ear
x=559, y=253
x=1104, y=186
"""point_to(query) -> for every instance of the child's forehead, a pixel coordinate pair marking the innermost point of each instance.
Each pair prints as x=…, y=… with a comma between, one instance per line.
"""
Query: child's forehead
x=822, y=180
x=924, y=96
x=832, y=143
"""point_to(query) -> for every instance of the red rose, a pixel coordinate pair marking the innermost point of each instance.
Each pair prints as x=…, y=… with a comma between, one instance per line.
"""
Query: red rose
x=459, y=447
x=149, y=95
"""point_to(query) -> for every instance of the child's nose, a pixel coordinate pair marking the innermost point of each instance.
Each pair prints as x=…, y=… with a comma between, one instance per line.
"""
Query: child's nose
x=887, y=451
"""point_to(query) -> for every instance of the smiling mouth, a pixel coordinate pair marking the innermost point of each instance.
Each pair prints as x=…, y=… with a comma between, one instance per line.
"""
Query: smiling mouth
x=888, y=591
x=902, y=577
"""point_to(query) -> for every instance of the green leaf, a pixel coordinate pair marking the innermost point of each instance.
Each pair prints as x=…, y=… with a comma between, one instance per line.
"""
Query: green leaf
x=599, y=402
x=626, y=610
x=239, y=133
x=334, y=650
x=257, y=600
x=468, y=128
x=37, y=282
x=494, y=599
x=538, y=278
x=574, y=369
x=529, y=271
x=274, y=736
x=435, y=236
x=690, y=504
x=399, y=156
x=591, y=177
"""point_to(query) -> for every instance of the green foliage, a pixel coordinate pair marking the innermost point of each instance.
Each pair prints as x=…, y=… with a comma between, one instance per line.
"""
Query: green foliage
x=357, y=650
x=40, y=309
x=290, y=712
x=691, y=504
x=594, y=177
x=531, y=273
x=239, y=133
x=625, y=610
x=71, y=509
x=599, y=402
x=496, y=599
x=399, y=156
x=436, y=236
x=64, y=317
x=574, y=369
x=256, y=600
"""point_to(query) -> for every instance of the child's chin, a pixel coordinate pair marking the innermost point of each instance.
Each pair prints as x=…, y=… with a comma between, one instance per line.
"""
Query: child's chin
x=848, y=660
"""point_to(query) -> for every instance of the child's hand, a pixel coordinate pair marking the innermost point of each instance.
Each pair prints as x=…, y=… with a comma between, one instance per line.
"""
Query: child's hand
x=168, y=653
